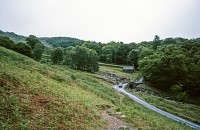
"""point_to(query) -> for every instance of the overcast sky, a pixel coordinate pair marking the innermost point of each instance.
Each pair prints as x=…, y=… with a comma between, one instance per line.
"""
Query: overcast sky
x=102, y=20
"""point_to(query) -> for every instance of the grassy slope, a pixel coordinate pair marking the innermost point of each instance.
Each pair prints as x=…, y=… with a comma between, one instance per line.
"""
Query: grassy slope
x=187, y=111
x=42, y=97
x=37, y=96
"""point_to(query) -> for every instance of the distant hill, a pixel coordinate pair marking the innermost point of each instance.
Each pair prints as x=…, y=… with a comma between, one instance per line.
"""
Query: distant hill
x=48, y=41
x=13, y=36
x=61, y=41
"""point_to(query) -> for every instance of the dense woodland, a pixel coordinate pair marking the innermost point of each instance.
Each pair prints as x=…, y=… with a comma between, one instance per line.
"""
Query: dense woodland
x=61, y=41
x=170, y=64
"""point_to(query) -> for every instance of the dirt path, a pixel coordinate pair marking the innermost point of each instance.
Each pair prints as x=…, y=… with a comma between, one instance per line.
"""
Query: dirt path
x=115, y=123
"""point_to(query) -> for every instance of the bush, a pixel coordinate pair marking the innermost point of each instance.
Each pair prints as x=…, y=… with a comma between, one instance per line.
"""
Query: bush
x=83, y=58
x=23, y=48
x=38, y=51
x=57, y=56
x=176, y=89
x=6, y=42
x=182, y=96
x=73, y=77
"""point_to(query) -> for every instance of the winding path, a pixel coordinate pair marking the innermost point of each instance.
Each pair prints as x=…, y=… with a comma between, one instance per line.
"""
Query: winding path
x=147, y=105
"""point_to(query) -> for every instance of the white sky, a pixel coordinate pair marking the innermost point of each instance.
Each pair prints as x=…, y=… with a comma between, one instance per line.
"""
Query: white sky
x=102, y=20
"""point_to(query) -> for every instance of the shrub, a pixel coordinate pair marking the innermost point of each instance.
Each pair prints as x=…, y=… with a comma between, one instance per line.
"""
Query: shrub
x=6, y=42
x=23, y=48
x=73, y=77
x=182, y=96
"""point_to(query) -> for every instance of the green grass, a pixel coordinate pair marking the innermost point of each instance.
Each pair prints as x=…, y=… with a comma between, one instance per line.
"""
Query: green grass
x=39, y=96
x=120, y=72
x=187, y=111
x=110, y=65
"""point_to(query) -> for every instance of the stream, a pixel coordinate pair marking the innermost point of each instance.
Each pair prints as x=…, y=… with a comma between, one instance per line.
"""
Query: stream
x=121, y=88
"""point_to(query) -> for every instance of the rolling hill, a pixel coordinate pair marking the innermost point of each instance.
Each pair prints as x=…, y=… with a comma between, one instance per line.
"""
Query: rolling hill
x=48, y=41
x=39, y=96
x=61, y=41
x=13, y=36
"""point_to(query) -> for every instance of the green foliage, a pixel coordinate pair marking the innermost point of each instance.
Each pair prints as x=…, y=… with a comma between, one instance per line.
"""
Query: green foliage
x=57, y=56
x=133, y=57
x=166, y=68
x=44, y=103
x=34, y=48
x=156, y=42
x=16, y=38
x=182, y=96
x=6, y=42
x=31, y=98
x=107, y=54
x=23, y=48
x=67, y=57
x=94, y=46
x=172, y=65
x=169, y=41
x=121, y=53
x=176, y=89
x=32, y=41
x=73, y=77
x=185, y=110
x=82, y=58
x=38, y=51
x=145, y=52
x=92, y=64
x=62, y=41
x=116, y=52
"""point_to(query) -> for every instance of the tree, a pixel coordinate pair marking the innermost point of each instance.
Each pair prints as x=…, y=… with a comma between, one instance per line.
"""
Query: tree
x=145, y=52
x=36, y=46
x=82, y=58
x=78, y=56
x=23, y=48
x=57, y=56
x=94, y=46
x=133, y=57
x=67, y=58
x=165, y=68
x=6, y=42
x=32, y=41
x=108, y=53
x=93, y=65
x=156, y=42
x=120, y=53
x=38, y=51
x=169, y=41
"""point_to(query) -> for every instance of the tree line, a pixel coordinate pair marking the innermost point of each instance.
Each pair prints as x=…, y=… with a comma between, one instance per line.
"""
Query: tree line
x=32, y=47
x=171, y=64
x=78, y=57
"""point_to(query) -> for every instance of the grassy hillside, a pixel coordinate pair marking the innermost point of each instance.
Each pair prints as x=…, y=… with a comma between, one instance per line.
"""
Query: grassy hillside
x=37, y=96
x=41, y=97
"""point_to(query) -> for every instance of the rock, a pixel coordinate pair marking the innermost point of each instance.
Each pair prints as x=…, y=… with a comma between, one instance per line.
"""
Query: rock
x=118, y=113
x=123, y=116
